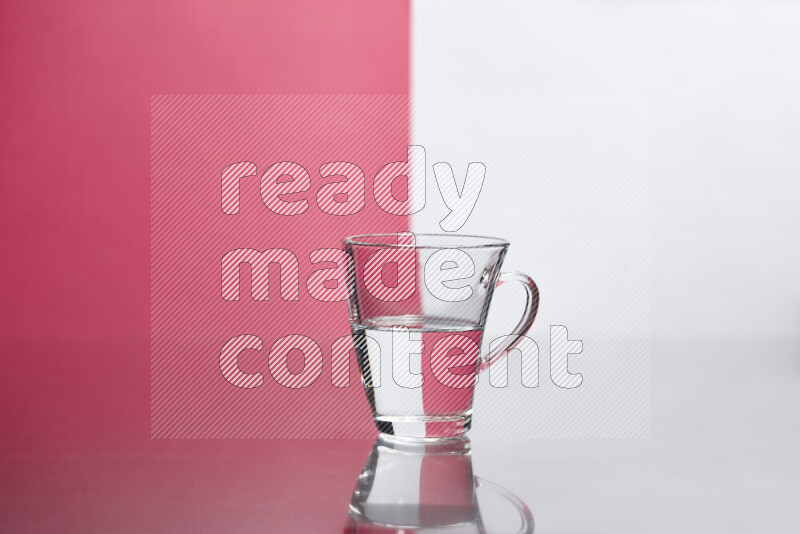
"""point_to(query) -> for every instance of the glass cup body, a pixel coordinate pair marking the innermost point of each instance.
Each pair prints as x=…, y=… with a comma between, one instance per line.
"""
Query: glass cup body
x=418, y=305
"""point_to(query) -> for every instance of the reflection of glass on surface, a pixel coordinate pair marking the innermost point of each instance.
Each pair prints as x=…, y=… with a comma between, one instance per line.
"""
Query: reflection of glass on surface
x=423, y=487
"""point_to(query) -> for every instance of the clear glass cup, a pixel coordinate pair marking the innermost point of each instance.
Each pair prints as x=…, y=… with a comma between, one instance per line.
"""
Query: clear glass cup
x=418, y=305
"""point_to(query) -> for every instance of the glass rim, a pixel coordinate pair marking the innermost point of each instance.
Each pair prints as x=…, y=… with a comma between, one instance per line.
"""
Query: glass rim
x=391, y=242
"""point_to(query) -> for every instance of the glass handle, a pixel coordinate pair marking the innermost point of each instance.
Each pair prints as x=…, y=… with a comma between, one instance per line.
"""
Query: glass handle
x=531, y=307
x=524, y=512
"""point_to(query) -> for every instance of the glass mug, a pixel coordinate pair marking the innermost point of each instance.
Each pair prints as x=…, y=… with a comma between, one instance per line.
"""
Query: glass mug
x=423, y=487
x=418, y=305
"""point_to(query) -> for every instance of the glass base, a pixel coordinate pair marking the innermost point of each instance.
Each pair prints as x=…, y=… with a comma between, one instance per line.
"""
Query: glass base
x=424, y=428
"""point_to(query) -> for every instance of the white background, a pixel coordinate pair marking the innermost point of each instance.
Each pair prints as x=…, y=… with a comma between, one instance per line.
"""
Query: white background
x=723, y=83
x=724, y=88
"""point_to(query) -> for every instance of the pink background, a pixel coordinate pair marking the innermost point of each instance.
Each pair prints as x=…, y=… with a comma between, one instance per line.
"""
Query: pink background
x=78, y=78
x=193, y=140
x=77, y=82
